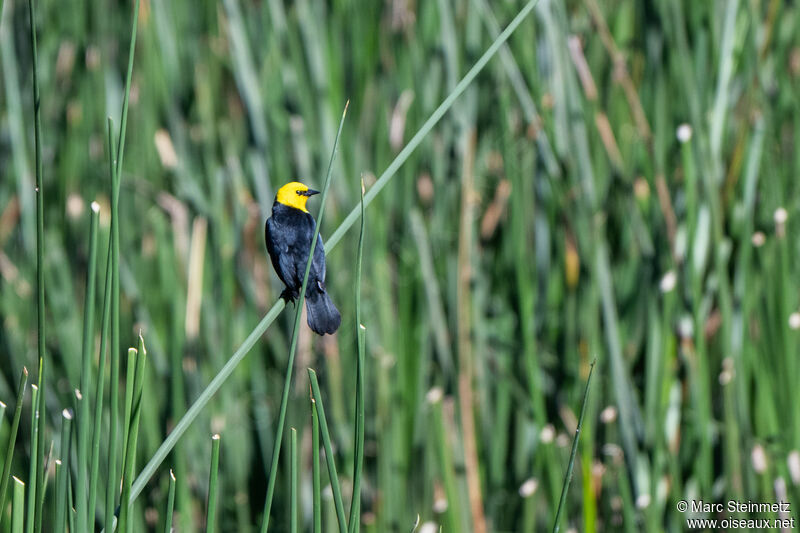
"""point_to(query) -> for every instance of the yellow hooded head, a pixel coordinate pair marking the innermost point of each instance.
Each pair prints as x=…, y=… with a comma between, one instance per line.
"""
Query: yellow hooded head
x=295, y=194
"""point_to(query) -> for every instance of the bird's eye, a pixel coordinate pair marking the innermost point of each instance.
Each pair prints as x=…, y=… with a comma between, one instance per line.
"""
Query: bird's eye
x=299, y=193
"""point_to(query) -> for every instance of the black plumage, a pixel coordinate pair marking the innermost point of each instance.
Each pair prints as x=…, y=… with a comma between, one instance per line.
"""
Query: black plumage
x=288, y=233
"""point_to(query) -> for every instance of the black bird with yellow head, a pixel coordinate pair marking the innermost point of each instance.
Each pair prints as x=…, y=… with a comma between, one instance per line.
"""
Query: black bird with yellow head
x=288, y=233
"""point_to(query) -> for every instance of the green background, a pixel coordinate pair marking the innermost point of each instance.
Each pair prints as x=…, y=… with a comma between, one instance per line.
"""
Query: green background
x=550, y=218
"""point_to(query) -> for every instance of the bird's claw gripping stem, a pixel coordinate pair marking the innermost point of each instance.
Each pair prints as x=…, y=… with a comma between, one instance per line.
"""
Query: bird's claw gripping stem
x=289, y=295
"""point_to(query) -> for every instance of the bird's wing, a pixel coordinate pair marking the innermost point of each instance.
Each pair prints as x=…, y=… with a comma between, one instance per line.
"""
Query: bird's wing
x=318, y=265
x=289, y=270
x=278, y=248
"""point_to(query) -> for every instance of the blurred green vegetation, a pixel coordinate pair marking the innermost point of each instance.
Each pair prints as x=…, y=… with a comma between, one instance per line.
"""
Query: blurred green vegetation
x=552, y=216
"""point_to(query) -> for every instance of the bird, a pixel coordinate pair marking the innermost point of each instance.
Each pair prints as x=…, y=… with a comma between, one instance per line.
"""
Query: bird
x=288, y=233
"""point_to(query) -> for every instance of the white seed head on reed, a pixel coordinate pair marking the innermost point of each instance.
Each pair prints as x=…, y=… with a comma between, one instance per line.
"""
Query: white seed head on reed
x=780, y=217
x=793, y=462
x=684, y=133
x=528, y=488
x=727, y=373
x=608, y=415
x=758, y=458
x=643, y=501
x=434, y=395
x=668, y=282
x=547, y=434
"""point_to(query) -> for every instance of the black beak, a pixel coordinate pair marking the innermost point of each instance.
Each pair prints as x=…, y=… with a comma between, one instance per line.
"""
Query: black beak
x=309, y=192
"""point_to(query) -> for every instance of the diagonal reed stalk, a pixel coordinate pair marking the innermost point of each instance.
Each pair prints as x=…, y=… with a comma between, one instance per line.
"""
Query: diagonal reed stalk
x=12, y=440
x=276, y=447
x=355, y=500
x=390, y=172
x=329, y=457
x=573, y=452
x=522, y=91
x=443, y=108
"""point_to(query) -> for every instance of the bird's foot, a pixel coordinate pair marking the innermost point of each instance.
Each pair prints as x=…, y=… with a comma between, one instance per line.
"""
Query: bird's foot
x=289, y=295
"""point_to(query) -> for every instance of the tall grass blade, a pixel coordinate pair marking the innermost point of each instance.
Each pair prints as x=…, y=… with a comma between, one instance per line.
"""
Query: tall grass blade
x=445, y=460
x=170, y=503
x=315, y=472
x=18, y=502
x=41, y=485
x=329, y=457
x=101, y=365
x=37, y=135
x=573, y=452
x=40, y=288
x=62, y=471
x=726, y=68
x=355, y=501
x=123, y=126
x=213, y=480
x=86, y=371
x=435, y=309
x=140, y=356
x=70, y=504
x=293, y=490
x=33, y=471
x=355, y=505
x=12, y=441
x=276, y=448
x=113, y=477
x=130, y=377
x=60, y=525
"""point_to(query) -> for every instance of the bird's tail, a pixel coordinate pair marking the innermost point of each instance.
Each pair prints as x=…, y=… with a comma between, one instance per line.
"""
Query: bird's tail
x=323, y=317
